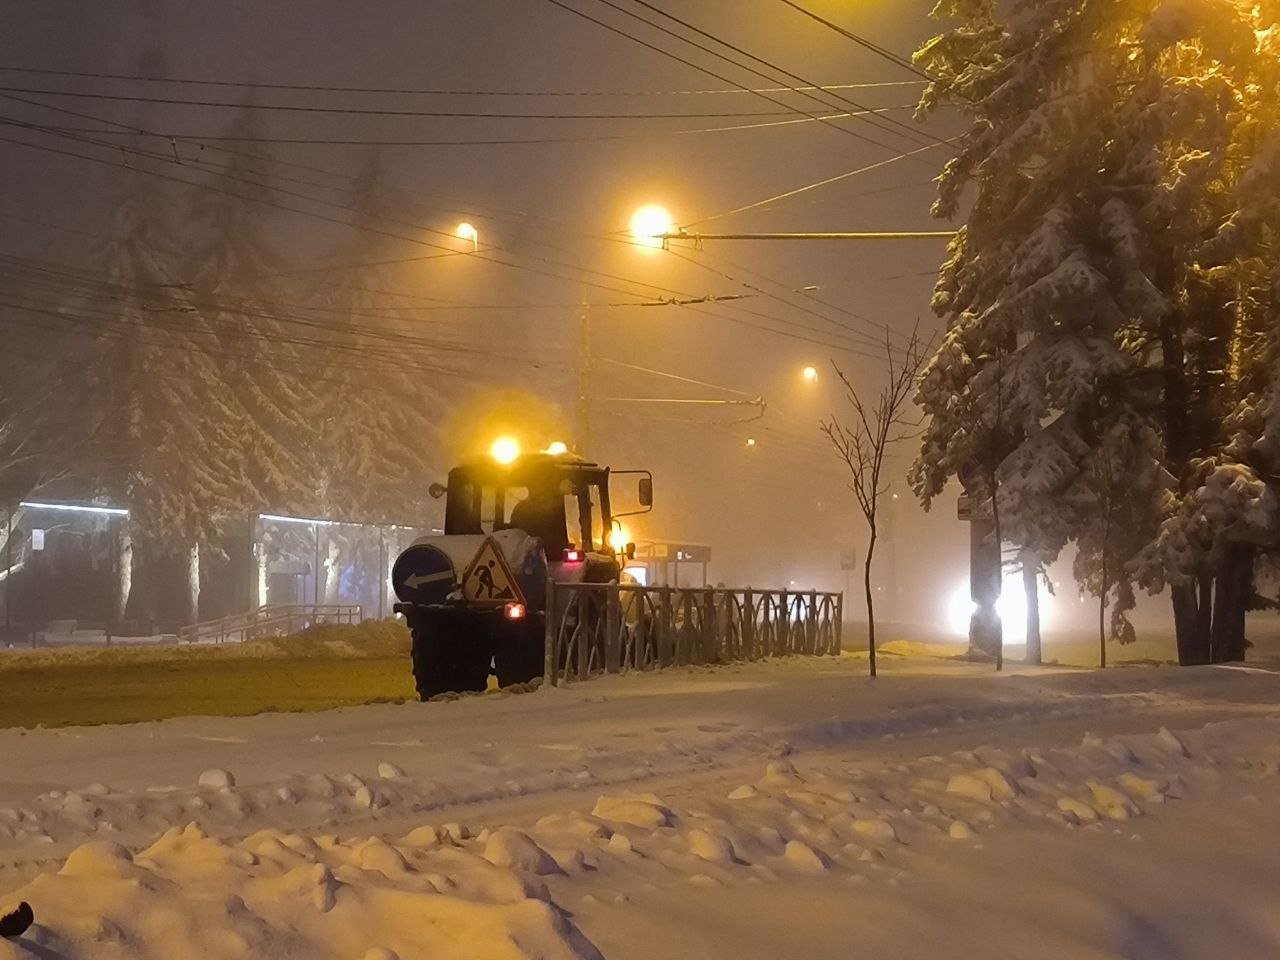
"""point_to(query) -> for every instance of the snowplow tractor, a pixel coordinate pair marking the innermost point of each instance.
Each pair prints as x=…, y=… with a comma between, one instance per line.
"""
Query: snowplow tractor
x=474, y=597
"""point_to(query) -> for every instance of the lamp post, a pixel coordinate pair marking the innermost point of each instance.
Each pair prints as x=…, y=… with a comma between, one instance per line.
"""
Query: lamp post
x=647, y=225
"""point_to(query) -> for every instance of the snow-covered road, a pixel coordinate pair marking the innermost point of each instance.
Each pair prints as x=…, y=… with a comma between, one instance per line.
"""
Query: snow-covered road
x=872, y=813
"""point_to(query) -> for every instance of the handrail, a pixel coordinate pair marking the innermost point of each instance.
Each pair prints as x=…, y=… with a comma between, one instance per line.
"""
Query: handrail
x=270, y=620
x=612, y=627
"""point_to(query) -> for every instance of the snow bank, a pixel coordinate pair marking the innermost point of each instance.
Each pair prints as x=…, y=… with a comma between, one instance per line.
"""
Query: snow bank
x=276, y=894
x=452, y=892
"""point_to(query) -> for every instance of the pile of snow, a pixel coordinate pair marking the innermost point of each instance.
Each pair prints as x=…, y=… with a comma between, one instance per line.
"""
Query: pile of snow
x=448, y=891
x=280, y=894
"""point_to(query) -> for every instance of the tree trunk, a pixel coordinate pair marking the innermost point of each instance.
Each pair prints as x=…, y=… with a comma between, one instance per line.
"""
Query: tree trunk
x=332, y=572
x=984, y=589
x=124, y=578
x=1031, y=587
x=1204, y=617
x=1193, y=642
x=260, y=575
x=1233, y=591
x=145, y=607
x=999, y=537
x=871, y=607
x=1102, y=612
x=193, y=583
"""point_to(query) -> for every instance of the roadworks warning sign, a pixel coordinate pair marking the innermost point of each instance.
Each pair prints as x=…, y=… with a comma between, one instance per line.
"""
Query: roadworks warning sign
x=488, y=578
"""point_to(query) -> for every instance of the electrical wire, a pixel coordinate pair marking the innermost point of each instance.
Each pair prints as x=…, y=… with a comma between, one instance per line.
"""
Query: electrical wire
x=911, y=132
x=671, y=376
x=309, y=213
x=398, y=341
x=490, y=141
x=689, y=63
x=322, y=186
x=895, y=59
x=413, y=239
x=796, y=191
x=260, y=85
x=381, y=111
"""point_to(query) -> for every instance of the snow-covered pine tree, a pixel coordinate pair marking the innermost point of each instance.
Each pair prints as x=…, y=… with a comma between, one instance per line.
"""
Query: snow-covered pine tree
x=234, y=276
x=1228, y=520
x=379, y=422
x=163, y=420
x=1108, y=140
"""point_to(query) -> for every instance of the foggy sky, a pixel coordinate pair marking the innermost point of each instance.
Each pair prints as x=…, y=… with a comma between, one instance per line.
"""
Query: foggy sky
x=773, y=513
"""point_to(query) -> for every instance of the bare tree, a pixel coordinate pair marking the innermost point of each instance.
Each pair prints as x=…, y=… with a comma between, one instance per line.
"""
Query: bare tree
x=862, y=443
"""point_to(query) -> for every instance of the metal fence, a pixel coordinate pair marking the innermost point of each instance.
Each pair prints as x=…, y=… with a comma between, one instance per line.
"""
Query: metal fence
x=269, y=621
x=611, y=627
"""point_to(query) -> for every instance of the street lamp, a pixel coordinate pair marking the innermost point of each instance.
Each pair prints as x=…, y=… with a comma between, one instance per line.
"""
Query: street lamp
x=649, y=223
x=810, y=373
x=505, y=450
x=466, y=231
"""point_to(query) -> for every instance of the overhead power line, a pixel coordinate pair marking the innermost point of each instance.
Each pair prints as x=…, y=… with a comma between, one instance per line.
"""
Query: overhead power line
x=827, y=235
x=480, y=141
x=471, y=211
x=385, y=111
x=695, y=66
x=786, y=194
x=787, y=326
x=671, y=376
x=861, y=41
x=432, y=92
x=910, y=132
x=168, y=159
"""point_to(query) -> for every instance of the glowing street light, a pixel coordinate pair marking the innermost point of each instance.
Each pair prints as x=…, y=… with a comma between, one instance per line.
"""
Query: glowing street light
x=810, y=373
x=466, y=231
x=557, y=448
x=649, y=223
x=505, y=450
x=751, y=442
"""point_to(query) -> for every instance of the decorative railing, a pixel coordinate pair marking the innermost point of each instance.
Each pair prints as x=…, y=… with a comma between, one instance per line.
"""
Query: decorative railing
x=270, y=621
x=612, y=627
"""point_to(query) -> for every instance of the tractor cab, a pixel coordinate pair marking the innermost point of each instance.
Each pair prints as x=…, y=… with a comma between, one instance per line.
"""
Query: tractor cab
x=562, y=500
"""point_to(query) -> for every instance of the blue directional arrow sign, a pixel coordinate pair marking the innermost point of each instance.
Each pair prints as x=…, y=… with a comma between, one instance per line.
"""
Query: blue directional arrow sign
x=423, y=574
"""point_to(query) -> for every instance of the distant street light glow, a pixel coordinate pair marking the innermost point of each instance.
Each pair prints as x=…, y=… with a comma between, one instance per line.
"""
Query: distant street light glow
x=469, y=233
x=751, y=441
x=308, y=521
x=75, y=508
x=1011, y=607
x=810, y=373
x=557, y=448
x=649, y=223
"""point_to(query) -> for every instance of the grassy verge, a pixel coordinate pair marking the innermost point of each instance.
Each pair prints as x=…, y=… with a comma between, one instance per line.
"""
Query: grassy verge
x=319, y=669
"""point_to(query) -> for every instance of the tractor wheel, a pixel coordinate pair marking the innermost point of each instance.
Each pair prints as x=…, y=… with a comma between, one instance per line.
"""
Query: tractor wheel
x=519, y=656
x=447, y=660
x=433, y=670
x=473, y=664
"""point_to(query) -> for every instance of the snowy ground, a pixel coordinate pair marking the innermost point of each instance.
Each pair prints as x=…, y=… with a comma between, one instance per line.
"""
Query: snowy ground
x=790, y=809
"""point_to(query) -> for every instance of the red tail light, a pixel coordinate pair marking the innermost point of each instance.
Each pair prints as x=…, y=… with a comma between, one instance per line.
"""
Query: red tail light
x=514, y=611
x=573, y=556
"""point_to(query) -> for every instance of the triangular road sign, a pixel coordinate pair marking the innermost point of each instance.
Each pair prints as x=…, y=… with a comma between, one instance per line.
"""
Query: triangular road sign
x=488, y=578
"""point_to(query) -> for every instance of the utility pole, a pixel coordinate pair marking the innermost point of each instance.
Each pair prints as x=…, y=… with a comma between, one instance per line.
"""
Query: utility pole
x=8, y=574
x=891, y=547
x=584, y=380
